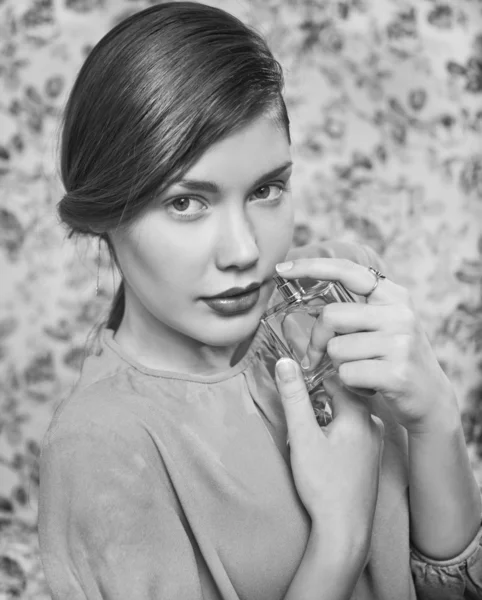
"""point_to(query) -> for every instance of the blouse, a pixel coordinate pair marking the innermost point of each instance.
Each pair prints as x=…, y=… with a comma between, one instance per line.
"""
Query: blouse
x=157, y=485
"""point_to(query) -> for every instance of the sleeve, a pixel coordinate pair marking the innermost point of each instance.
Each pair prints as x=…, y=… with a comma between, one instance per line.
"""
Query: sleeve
x=108, y=527
x=459, y=578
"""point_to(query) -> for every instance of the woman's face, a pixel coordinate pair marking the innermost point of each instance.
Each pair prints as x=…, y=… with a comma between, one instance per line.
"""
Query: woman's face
x=225, y=225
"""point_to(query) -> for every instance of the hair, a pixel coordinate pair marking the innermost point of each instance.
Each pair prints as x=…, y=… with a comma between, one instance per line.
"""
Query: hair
x=152, y=96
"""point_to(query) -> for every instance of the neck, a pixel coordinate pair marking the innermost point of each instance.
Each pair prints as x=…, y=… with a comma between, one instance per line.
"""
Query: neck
x=158, y=346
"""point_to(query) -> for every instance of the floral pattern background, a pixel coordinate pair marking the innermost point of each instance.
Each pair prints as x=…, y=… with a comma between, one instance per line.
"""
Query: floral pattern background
x=385, y=101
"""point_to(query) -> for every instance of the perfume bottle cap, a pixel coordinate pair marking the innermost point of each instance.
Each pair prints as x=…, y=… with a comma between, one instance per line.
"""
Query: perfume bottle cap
x=289, y=289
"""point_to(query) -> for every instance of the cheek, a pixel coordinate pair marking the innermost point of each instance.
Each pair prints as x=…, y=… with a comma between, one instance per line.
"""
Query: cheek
x=154, y=259
x=278, y=232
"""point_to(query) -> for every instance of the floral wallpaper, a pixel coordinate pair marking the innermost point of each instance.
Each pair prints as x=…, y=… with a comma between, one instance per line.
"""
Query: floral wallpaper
x=385, y=102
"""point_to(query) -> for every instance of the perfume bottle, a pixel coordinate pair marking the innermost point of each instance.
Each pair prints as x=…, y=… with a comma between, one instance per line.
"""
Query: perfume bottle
x=289, y=325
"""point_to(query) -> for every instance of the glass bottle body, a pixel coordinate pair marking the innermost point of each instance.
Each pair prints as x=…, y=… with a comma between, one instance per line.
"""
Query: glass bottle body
x=289, y=325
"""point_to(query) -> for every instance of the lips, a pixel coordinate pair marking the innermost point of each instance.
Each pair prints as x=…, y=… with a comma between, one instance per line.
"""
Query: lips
x=236, y=291
x=234, y=304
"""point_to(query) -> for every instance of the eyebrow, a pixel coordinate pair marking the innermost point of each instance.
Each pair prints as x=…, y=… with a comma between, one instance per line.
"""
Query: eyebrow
x=211, y=187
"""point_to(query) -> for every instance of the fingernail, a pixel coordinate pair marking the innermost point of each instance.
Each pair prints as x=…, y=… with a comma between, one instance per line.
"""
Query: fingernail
x=305, y=363
x=286, y=369
x=284, y=266
x=330, y=384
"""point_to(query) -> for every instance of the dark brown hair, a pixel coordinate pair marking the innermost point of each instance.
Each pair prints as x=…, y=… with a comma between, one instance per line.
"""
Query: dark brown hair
x=152, y=96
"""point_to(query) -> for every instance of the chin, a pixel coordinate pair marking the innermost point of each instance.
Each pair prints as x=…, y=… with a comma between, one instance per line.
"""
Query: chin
x=233, y=330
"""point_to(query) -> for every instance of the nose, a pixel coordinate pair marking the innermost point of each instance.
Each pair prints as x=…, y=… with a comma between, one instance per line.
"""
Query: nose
x=237, y=247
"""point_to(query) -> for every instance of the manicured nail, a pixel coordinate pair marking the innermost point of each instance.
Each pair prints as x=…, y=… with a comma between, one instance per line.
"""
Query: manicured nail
x=285, y=266
x=305, y=363
x=286, y=369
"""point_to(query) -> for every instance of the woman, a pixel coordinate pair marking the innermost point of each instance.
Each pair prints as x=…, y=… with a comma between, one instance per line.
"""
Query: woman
x=166, y=474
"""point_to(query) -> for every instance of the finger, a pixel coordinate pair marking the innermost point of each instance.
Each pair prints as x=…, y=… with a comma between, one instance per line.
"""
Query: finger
x=356, y=278
x=358, y=346
x=299, y=413
x=344, y=317
x=366, y=393
x=349, y=320
x=311, y=251
x=345, y=403
x=321, y=334
x=380, y=425
x=374, y=374
x=332, y=320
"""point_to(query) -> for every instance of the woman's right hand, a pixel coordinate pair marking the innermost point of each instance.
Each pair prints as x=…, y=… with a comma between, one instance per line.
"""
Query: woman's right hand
x=335, y=468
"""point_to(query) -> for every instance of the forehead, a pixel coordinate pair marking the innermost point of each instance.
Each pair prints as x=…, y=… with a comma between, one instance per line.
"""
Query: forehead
x=258, y=148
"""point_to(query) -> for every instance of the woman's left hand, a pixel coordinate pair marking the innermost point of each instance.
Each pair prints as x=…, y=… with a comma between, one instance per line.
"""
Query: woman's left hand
x=381, y=344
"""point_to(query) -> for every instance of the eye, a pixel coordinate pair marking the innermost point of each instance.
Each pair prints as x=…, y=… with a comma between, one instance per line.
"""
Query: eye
x=270, y=192
x=185, y=207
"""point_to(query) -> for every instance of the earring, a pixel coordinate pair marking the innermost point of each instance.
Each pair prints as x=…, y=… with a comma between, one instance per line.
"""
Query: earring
x=98, y=270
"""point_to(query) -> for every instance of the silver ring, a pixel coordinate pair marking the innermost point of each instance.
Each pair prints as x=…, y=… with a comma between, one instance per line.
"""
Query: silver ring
x=378, y=276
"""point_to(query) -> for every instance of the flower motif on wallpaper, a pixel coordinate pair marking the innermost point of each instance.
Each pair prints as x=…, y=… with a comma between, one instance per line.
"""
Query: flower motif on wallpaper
x=385, y=106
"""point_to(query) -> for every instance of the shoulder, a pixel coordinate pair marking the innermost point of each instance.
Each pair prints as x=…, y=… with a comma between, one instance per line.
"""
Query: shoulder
x=95, y=427
x=95, y=407
x=93, y=449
